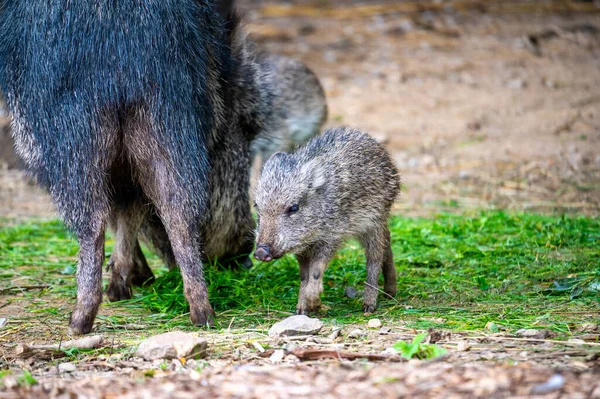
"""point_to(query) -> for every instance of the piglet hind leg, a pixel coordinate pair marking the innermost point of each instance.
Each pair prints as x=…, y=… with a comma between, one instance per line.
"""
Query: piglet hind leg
x=390, y=280
x=375, y=244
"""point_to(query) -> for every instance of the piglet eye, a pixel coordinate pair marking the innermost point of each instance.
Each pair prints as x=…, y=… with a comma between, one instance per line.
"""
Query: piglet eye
x=292, y=209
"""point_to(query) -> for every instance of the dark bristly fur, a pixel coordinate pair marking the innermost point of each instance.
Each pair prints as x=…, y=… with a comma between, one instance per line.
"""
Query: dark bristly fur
x=343, y=184
x=115, y=106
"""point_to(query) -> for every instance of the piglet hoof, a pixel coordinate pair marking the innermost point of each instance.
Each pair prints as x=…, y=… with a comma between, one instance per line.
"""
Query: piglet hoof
x=118, y=291
x=308, y=306
x=302, y=311
x=203, y=316
x=368, y=309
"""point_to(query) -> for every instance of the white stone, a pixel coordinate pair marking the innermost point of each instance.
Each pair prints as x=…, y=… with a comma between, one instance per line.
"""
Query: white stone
x=374, y=323
x=295, y=325
x=67, y=367
x=172, y=345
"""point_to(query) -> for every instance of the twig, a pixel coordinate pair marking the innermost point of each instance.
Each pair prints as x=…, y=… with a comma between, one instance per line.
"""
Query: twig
x=24, y=288
x=316, y=354
x=382, y=291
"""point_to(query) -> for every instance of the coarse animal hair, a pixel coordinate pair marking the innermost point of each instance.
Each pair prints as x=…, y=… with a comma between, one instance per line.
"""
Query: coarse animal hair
x=341, y=184
x=117, y=105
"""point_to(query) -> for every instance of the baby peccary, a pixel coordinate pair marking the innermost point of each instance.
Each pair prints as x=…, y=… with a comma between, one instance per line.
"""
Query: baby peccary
x=340, y=185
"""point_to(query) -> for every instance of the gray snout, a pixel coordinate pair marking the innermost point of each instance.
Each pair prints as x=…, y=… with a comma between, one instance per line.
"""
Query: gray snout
x=263, y=253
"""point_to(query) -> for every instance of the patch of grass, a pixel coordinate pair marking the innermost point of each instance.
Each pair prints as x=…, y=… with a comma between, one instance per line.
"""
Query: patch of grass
x=454, y=272
x=417, y=349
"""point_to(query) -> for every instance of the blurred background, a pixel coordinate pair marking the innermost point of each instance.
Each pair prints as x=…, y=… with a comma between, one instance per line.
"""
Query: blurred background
x=483, y=104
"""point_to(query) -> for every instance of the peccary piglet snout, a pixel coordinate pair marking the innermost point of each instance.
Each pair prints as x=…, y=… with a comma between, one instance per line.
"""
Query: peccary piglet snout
x=340, y=185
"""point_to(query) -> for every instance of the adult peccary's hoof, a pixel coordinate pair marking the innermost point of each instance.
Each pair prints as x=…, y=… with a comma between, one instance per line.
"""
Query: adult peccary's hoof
x=118, y=290
x=202, y=316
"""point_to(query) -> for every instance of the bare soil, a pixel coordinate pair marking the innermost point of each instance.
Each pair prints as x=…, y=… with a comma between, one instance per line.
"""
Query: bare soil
x=482, y=106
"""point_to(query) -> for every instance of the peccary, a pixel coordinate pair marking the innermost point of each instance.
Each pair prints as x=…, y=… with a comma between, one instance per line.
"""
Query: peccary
x=297, y=110
x=228, y=231
x=341, y=184
x=115, y=106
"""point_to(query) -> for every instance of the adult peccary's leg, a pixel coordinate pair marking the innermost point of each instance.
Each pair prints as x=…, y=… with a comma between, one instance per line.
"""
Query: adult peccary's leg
x=313, y=263
x=375, y=243
x=127, y=262
x=176, y=182
x=79, y=188
x=390, y=281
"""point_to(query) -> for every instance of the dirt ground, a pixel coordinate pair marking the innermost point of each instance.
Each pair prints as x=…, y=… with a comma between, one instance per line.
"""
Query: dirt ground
x=481, y=107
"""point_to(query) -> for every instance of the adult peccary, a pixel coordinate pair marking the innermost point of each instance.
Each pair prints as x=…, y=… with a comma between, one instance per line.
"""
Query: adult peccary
x=229, y=228
x=115, y=106
x=297, y=110
x=342, y=184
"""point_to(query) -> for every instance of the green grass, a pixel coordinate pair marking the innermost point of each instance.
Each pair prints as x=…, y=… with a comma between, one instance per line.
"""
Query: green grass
x=454, y=272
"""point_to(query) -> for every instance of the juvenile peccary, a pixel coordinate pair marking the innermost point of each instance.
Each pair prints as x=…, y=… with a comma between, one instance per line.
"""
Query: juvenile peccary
x=297, y=110
x=113, y=104
x=341, y=184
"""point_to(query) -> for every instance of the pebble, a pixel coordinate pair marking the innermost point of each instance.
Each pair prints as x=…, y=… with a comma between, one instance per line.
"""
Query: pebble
x=374, y=323
x=172, y=345
x=296, y=325
x=356, y=333
x=67, y=367
x=532, y=333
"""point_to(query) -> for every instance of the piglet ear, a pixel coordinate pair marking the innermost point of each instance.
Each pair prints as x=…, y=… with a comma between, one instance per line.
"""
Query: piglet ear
x=277, y=155
x=315, y=172
x=276, y=158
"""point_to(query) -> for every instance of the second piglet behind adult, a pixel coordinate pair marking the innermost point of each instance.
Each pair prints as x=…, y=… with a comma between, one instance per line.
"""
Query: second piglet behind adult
x=340, y=185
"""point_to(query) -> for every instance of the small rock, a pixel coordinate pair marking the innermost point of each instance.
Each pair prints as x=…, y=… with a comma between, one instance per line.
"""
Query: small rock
x=351, y=292
x=532, y=333
x=277, y=356
x=292, y=359
x=587, y=327
x=384, y=330
x=67, y=367
x=463, y=346
x=10, y=381
x=554, y=383
x=374, y=323
x=295, y=325
x=2, y=321
x=356, y=333
x=516, y=84
x=334, y=334
x=292, y=346
x=172, y=345
x=576, y=341
x=389, y=351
